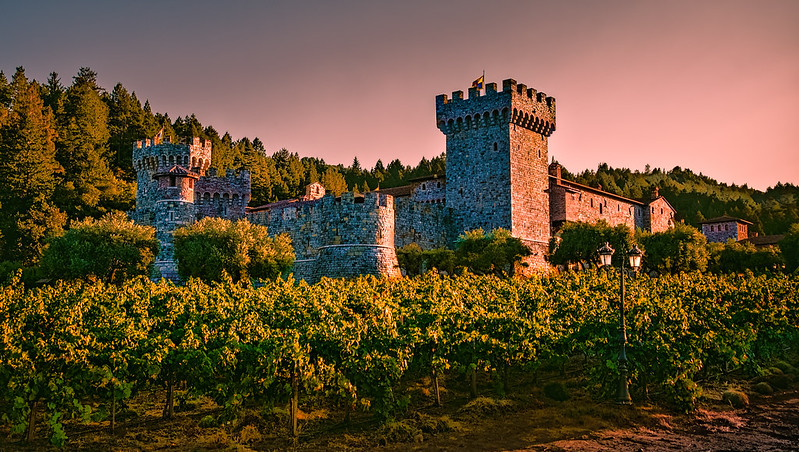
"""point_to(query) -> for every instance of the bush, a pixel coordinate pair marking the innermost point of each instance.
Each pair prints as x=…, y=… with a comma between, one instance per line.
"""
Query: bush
x=763, y=388
x=556, y=391
x=738, y=399
x=213, y=246
x=495, y=253
x=790, y=248
x=111, y=249
x=737, y=257
x=579, y=242
x=415, y=261
x=680, y=249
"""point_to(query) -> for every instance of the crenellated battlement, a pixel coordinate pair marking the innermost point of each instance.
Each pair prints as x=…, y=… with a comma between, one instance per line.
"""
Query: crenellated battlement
x=149, y=156
x=516, y=104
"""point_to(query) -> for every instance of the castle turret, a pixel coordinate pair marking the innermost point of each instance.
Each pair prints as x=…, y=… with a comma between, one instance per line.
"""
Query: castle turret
x=151, y=157
x=173, y=208
x=497, y=154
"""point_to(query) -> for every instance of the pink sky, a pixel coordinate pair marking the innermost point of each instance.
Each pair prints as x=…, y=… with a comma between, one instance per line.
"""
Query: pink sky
x=708, y=85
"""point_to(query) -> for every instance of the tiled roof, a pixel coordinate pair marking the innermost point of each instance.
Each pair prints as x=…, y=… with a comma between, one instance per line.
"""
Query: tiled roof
x=428, y=177
x=765, y=240
x=724, y=219
x=405, y=190
x=581, y=187
x=178, y=170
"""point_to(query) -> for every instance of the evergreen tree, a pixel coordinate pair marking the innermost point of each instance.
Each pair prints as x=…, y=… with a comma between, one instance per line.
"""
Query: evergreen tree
x=27, y=172
x=82, y=149
x=334, y=182
x=125, y=125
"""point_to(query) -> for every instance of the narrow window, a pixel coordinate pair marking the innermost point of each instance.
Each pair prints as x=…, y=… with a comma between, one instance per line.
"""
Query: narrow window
x=495, y=145
x=172, y=181
x=539, y=153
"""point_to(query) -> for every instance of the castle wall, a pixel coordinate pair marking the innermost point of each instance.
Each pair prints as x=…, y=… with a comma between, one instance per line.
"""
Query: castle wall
x=659, y=215
x=336, y=237
x=423, y=223
x=568, y=203
x=223, y=196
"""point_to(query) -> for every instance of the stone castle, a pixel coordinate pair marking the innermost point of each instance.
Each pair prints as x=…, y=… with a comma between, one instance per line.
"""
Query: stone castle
x=497, y=176
x=176, y=186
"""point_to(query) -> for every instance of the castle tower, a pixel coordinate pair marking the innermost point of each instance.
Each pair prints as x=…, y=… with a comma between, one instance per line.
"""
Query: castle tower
x=165, y=191
x=497, y=161
x=173, y=209
x=151, y=157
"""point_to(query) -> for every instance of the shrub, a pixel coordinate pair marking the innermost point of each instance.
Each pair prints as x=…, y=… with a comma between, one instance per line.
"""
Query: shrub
x=556, y=391
x=213, y=246
x=680, y=249
x=495, y=253
x=579, y=242
x=763, y=388
x=111, y=249
x=737, y=257
x=738, y=399
x=790, y=248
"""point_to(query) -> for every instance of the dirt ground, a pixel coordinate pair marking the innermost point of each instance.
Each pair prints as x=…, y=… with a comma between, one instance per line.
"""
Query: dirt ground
x=769, y=424
x=528, y=422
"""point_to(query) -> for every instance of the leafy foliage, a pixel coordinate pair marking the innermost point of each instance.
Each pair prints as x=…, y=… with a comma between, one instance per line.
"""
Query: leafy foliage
x=213, y=246
x=578, y=242
x=682, y=248
x=111, y=249
x=353, y=341
x=790, y=248
x=495, y=253
x=743, y=256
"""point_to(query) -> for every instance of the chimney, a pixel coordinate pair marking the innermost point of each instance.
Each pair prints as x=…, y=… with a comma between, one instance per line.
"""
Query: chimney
x=655, y=194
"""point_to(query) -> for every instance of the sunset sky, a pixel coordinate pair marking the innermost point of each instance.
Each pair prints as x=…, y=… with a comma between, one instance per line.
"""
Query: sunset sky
x=708, y=85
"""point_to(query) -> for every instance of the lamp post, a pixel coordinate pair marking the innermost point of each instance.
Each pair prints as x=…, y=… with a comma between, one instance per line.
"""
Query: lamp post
x=634, y=256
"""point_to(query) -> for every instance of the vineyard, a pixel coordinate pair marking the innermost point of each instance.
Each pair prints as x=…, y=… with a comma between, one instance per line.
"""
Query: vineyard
x=80, y=350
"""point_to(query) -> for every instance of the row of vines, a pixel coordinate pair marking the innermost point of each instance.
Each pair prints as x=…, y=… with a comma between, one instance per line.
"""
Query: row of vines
x=67, y=349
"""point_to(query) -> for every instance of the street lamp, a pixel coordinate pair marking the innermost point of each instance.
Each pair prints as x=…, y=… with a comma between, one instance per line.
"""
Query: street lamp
x=634, y=255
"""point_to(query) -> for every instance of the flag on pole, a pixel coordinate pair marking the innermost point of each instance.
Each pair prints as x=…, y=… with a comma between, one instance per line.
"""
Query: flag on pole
x=479, y=82
x=158, y=136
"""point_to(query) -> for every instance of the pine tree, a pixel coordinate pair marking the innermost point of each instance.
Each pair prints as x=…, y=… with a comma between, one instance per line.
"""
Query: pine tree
x=27, y=172
x=89, y=188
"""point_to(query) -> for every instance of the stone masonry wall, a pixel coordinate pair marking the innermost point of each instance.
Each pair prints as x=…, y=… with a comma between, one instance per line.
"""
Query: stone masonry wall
x=223, y=196
x=497, y=161
x=422, y=223
x=721, y=232
x=570, y=203
x=660, y=215
x=333, y=236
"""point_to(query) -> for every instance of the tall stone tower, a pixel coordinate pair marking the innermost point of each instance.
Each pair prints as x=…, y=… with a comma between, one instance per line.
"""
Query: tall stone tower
x=497, y=161
x=165, y=191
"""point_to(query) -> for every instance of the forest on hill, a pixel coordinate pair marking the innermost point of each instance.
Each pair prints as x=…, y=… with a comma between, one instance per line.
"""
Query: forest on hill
x=65, y=154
